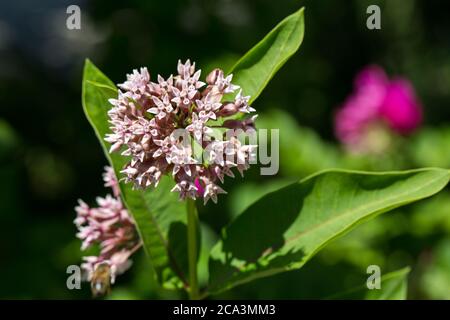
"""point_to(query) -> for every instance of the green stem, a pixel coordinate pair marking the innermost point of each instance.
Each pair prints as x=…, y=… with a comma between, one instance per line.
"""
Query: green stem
x=192, y=220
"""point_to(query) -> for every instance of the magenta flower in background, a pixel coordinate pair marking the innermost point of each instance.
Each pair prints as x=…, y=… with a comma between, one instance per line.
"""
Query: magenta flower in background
x=401, y=109
x=376, y=101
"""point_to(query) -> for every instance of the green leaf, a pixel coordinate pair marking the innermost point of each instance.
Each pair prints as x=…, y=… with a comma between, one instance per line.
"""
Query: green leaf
x=394, y=286
x=243, y=195
x=255, y=69
x=160, y=217
x=285, y=228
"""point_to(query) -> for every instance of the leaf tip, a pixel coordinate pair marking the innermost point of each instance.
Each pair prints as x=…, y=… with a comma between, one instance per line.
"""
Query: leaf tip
x=87, y=61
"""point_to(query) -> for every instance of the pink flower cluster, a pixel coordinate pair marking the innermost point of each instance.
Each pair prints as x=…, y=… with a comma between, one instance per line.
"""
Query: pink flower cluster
x=146, y=119
x=111, y=227
x=377, y=99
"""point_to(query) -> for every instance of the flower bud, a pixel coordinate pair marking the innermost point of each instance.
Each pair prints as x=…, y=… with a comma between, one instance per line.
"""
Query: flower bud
x=213, y=92
x=238, y=124
x=228, y=109
x=232, y=124
x=213, y=75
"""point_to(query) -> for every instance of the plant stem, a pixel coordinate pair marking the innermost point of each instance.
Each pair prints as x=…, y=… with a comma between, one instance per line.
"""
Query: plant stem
x=192, y=220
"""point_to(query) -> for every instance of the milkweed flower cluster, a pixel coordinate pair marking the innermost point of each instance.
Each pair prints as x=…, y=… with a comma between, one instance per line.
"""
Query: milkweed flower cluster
x=377, y=99
x=109, y=226
x=147, y=117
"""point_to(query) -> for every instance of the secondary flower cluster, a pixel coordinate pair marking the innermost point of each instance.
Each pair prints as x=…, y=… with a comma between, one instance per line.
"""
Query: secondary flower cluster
x=146, y=119
x=111, y=227
x=377, y=99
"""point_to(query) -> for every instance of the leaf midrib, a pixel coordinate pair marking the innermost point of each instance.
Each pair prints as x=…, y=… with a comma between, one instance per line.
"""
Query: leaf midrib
x=275, y=270
x=365, y=207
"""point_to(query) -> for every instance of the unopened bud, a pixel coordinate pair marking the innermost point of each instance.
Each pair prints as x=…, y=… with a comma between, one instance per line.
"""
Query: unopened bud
x=236, y=124
x=213, y=75
x=232, y=124
x=249, y=123
x=228, y=109
x=213, y=92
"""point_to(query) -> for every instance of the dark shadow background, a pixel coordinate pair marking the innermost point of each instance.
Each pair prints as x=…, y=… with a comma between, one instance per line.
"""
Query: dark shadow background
x=49, y=156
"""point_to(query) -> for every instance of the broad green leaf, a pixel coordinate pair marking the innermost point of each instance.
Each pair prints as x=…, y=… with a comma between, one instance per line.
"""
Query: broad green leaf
x=255, y=69
x=160, y=217
x=285, y=228
x=394, y=286
x=245, y=194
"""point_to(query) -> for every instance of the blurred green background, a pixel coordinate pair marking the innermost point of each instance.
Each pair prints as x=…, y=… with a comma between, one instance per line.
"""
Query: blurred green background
x=49, y=155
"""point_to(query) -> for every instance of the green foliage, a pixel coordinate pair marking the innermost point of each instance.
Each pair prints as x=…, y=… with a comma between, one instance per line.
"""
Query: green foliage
x=302, y=151
x=394, y=286
x=431, y=147
x=432, y=216
x=436, y=279
x=285, y=228
x=247, y=193
x=255, y=69
x=8, y=139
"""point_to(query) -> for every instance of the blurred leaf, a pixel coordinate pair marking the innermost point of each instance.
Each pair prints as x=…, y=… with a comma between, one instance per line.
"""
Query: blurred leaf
x=285, y=228
x=255, y=69
x=436, y=279
x=51, y=176
x=394, y=286
x=122, y=294
x=8, y=139
x=431, y=216
x=431, y=147
x=160, y=217
x=302, y=151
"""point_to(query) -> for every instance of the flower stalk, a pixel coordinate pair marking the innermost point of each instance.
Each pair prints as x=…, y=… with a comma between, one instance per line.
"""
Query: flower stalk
x=192, y=228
